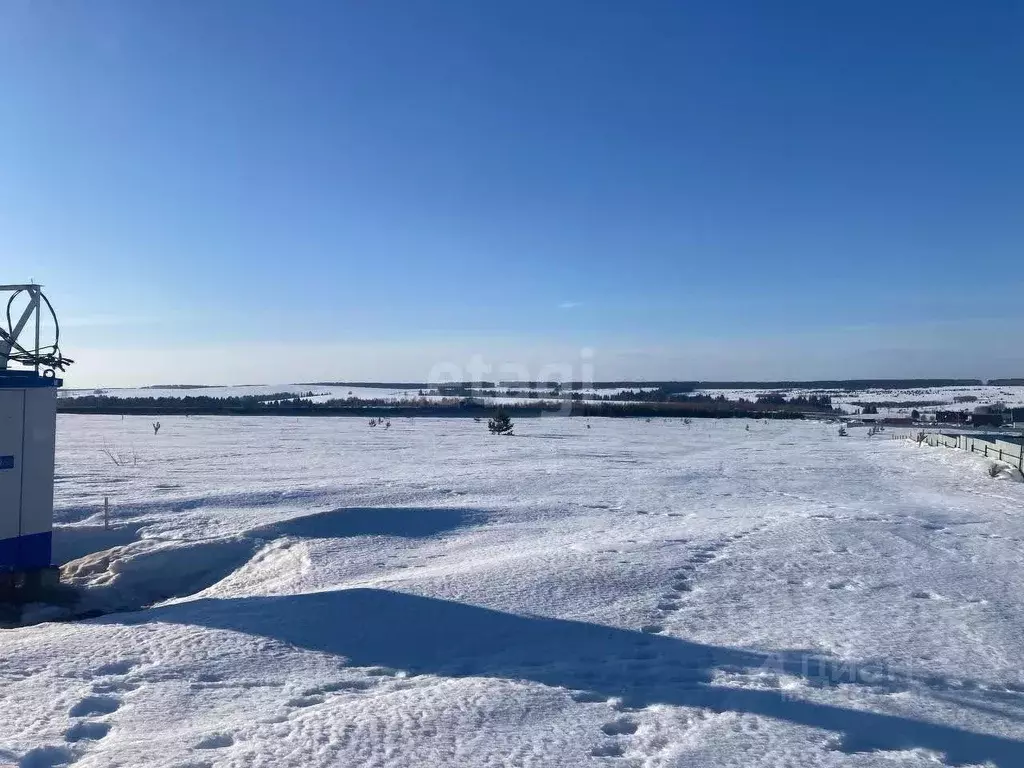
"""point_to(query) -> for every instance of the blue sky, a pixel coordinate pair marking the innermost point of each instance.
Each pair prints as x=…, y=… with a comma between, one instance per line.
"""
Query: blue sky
x=269, y=191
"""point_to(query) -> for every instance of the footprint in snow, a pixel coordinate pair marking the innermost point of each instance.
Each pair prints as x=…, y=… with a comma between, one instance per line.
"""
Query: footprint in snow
x=607, y=751
x=46, y=757
x=122, y=667
x=841, y=585
x=86, y=731
x=589, y=697
x=350, y=686
x=623, y=726
x=114, y=686
x=301, y=702
x=95, y=705
x=216, y=741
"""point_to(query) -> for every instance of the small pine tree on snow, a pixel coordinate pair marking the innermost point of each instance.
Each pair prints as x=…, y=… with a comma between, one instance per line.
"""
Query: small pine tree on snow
x=501, y=424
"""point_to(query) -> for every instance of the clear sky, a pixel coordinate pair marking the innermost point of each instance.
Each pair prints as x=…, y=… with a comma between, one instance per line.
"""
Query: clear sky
x=255, y=191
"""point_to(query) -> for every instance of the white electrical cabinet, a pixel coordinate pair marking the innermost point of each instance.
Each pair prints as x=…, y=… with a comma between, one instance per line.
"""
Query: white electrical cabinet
x=28, y=422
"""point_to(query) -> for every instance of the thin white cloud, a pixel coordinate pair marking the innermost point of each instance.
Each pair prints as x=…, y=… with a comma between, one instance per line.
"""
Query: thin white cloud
x=91, y=321
x=570, y=304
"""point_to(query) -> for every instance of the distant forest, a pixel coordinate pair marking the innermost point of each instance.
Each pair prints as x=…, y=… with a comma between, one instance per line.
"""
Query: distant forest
x=684, y=386
x=673, y=386
x=288, y=404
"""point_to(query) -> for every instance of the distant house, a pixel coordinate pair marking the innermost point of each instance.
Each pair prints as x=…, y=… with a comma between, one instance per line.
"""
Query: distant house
x=986, y=419
x=899, y=421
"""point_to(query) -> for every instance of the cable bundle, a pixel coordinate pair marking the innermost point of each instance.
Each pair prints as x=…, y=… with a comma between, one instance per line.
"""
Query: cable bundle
x=47, y=356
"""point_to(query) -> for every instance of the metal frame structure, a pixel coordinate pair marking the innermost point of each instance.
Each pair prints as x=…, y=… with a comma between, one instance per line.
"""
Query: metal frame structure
x=8, y=341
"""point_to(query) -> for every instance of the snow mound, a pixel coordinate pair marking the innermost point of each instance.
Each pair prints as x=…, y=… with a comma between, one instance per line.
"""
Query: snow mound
x=149, y=571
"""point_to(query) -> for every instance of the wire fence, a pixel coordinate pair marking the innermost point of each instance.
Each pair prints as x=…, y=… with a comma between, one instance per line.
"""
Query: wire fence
x=989, y=446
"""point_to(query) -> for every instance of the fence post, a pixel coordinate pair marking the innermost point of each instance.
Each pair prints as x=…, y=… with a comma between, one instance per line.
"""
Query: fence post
x=106, y=513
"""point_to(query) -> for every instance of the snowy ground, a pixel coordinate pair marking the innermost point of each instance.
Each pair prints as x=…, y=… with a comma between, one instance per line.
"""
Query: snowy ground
x=634, y=594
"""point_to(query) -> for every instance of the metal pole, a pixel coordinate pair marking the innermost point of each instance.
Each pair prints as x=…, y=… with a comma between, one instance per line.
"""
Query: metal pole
x=35, y=295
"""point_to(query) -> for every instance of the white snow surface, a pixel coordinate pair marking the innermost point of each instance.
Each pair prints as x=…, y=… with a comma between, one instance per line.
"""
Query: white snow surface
x=316, y=592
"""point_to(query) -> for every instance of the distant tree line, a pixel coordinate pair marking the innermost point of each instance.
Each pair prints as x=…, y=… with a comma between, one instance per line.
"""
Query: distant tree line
x=842, y=384
x=874, y=405
x=675, y=386
x=289, y=404
x=806, y=402
x=665, y=395
x=185, y=404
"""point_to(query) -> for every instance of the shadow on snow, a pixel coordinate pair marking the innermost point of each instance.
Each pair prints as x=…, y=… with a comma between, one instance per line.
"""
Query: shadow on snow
x=372, y=627
x=404, y=522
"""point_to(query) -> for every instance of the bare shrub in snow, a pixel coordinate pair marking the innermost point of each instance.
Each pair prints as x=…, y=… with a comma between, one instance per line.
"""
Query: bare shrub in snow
x=994, y=470
x=919, y=438
x=120, y=458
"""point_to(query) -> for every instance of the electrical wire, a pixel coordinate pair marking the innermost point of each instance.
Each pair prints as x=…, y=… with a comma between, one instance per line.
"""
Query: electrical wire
x=46, y=356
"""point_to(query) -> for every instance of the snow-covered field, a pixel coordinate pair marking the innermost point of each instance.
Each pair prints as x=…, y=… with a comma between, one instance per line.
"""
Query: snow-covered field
x=323, y=593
